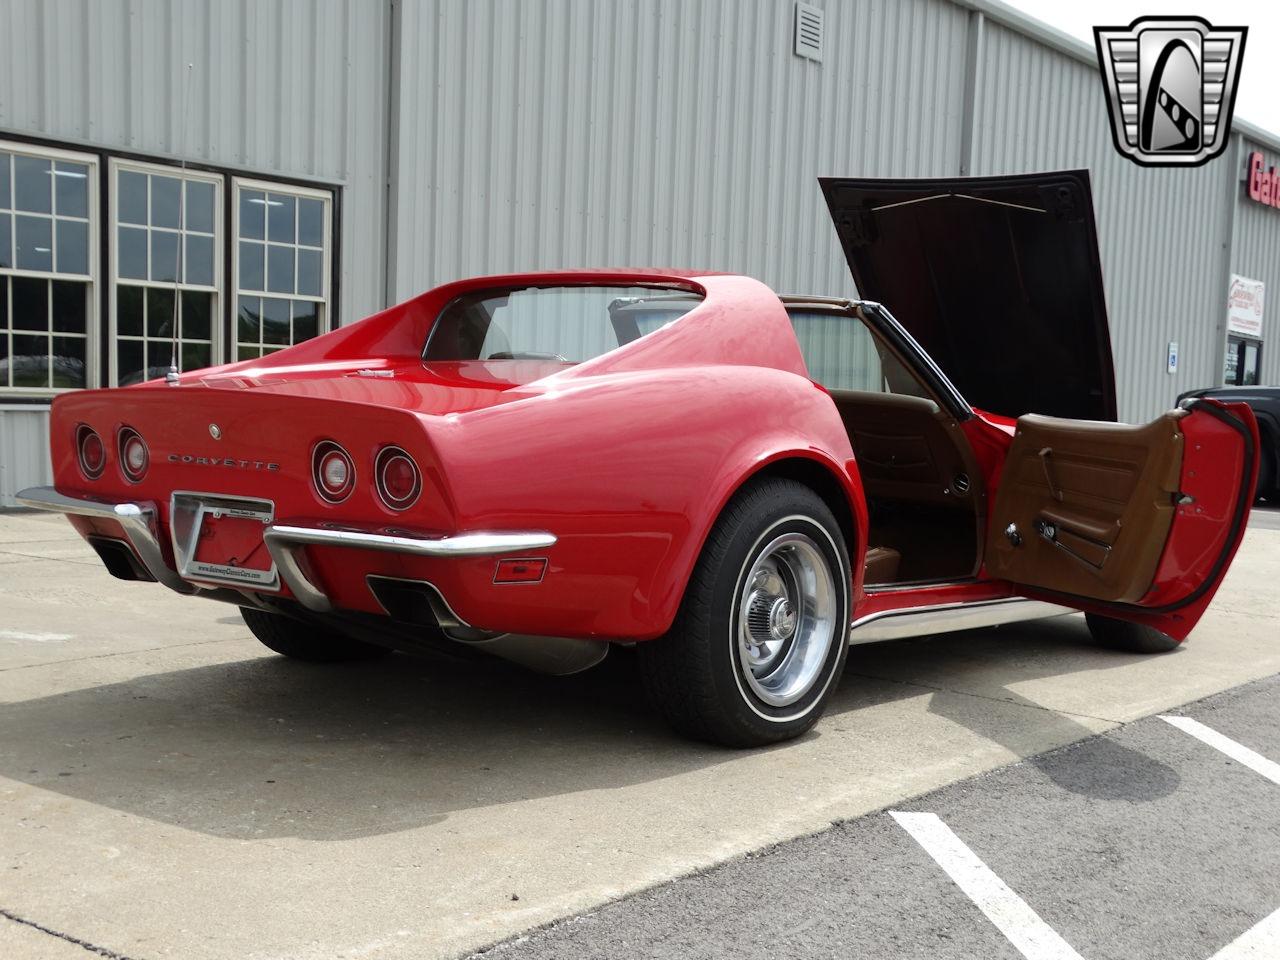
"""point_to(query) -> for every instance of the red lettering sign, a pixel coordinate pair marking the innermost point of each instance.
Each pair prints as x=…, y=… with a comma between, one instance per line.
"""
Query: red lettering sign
x=1264, y=184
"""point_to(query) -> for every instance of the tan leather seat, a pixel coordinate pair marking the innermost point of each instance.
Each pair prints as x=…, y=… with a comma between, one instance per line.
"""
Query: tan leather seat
x=881, y=565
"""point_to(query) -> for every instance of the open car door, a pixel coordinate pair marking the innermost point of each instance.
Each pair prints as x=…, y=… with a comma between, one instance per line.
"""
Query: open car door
x=1133, y=522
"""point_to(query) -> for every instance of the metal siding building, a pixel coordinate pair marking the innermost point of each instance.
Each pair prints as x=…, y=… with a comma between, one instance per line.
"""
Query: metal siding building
x=461, y=137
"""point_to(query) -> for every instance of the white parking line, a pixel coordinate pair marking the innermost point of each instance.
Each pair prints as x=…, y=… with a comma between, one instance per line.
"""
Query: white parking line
x=1034, y=938
x=1236, y=751
x=1261, y=942
x=1021, y=925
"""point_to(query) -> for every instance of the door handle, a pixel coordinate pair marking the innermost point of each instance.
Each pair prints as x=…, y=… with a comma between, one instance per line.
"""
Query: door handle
x=1044, y=455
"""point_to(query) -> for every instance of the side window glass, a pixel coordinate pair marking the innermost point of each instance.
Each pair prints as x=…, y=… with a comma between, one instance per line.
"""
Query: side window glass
x=842, y=353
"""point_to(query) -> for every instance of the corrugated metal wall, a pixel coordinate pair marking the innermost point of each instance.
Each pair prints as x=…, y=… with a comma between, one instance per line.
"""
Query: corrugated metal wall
x=659, y=132
x=1256, y=254
x=24, y=449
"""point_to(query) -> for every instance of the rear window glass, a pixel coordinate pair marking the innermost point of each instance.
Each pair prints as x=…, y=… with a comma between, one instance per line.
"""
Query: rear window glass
x=565, y=323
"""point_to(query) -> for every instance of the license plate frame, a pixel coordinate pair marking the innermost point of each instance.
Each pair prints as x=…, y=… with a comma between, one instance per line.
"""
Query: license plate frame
x=187, y=512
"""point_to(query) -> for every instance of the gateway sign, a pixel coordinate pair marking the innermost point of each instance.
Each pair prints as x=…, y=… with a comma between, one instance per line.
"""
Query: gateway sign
x=1264, y=183
x=1244, y=306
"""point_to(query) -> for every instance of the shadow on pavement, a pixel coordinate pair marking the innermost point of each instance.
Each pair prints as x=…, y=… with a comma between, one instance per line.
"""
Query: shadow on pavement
x=268, y=747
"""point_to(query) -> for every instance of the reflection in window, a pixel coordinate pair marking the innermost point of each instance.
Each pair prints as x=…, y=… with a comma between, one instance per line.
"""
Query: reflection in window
x=281, y=267
x=45, y=231
x=166, y=281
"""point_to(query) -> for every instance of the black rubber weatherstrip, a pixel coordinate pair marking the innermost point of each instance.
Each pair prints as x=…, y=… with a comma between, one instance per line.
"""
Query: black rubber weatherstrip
x=84, y=944
x=1243, y=503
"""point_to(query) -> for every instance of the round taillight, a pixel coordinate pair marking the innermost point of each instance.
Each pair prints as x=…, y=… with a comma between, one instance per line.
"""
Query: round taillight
x=134, y=457
x=333, y=472
x=90, y=451
x=399, y=482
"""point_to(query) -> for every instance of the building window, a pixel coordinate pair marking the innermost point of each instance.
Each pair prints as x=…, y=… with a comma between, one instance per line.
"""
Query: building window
x=281, y=266
x=166, y=270
x=47, y=269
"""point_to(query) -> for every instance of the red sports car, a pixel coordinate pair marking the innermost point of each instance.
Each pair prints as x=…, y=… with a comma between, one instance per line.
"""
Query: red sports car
x=737, y=483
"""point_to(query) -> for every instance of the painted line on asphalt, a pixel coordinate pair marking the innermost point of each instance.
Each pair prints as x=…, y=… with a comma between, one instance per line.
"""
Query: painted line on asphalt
x=1260, y=942
x=1236, y=751
x=1021, y=925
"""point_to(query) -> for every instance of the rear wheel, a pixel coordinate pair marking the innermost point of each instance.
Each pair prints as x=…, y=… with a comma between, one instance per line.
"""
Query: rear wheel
x=759, y=642
x=306, y=641
x=1130, y=637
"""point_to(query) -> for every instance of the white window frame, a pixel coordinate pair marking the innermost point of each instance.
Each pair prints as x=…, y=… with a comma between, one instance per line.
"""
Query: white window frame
x=216, y=310
x=324, y=301
x=92, y=338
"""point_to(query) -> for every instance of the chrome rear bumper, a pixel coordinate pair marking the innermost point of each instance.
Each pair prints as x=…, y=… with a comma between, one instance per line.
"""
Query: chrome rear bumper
x=139, y=520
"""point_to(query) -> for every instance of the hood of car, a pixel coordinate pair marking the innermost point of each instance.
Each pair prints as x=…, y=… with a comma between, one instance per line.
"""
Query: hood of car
x=998, y=278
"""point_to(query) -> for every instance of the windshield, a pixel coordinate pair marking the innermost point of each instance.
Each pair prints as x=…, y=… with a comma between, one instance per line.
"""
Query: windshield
x=566, y=324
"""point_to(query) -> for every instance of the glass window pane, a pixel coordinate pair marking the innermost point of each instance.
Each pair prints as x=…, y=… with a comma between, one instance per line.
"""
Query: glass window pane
x=35, y=243
x=164, y=256
x=30, y=361
x=249, y=320
x=164, y=201
x=131, y=253
x=69, y=303
x=275, y=320
x=132, y=203
x=198, y=260
x=68, y=362
x=252, y=269
x=4, y=189
x=4, y=310
x=4, y=361
x=73, y=246
x=280, y=216
x=199, y=212
x=6, y=240
x=72, y=189
x=30, y=303
x=311, y=222
x=159, y=314
x=128, y=362
x=129, y=311
x=253, y=213
x=31, y=188
x=280, y=269
x=196, y=308
x=248, y=352
x=195, y=356
x=305, y=320
x=309, y=272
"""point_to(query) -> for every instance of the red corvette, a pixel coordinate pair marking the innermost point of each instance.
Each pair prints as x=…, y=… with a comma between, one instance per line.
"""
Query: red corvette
x=740, y=485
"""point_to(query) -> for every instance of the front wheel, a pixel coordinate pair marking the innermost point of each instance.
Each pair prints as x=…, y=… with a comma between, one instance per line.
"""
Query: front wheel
x=759, y=642
x=1129, y=637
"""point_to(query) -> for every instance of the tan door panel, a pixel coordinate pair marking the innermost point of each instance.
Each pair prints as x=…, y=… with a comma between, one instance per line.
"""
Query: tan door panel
x=1089, y=505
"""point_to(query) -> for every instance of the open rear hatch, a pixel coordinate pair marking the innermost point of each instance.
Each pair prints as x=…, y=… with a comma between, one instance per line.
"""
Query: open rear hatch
x=998, y=278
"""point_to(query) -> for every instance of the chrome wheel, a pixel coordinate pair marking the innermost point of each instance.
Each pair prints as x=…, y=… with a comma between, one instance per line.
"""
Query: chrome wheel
x=786, y=619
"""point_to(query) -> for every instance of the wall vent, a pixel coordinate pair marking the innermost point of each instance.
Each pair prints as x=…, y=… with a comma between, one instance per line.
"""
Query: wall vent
x=808, y=31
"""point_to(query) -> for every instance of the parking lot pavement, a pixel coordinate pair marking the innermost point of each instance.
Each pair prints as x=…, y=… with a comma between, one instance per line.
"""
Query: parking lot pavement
x=1140, y=842
x=169, y=789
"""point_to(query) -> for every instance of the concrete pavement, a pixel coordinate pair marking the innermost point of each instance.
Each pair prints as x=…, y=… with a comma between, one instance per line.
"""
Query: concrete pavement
x=170, y=789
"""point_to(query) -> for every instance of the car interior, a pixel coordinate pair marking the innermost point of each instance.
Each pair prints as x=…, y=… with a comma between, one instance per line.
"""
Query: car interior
x=923, y=487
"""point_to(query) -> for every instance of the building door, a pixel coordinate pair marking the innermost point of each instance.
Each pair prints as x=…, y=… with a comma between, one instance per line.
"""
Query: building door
x=1244, y=360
